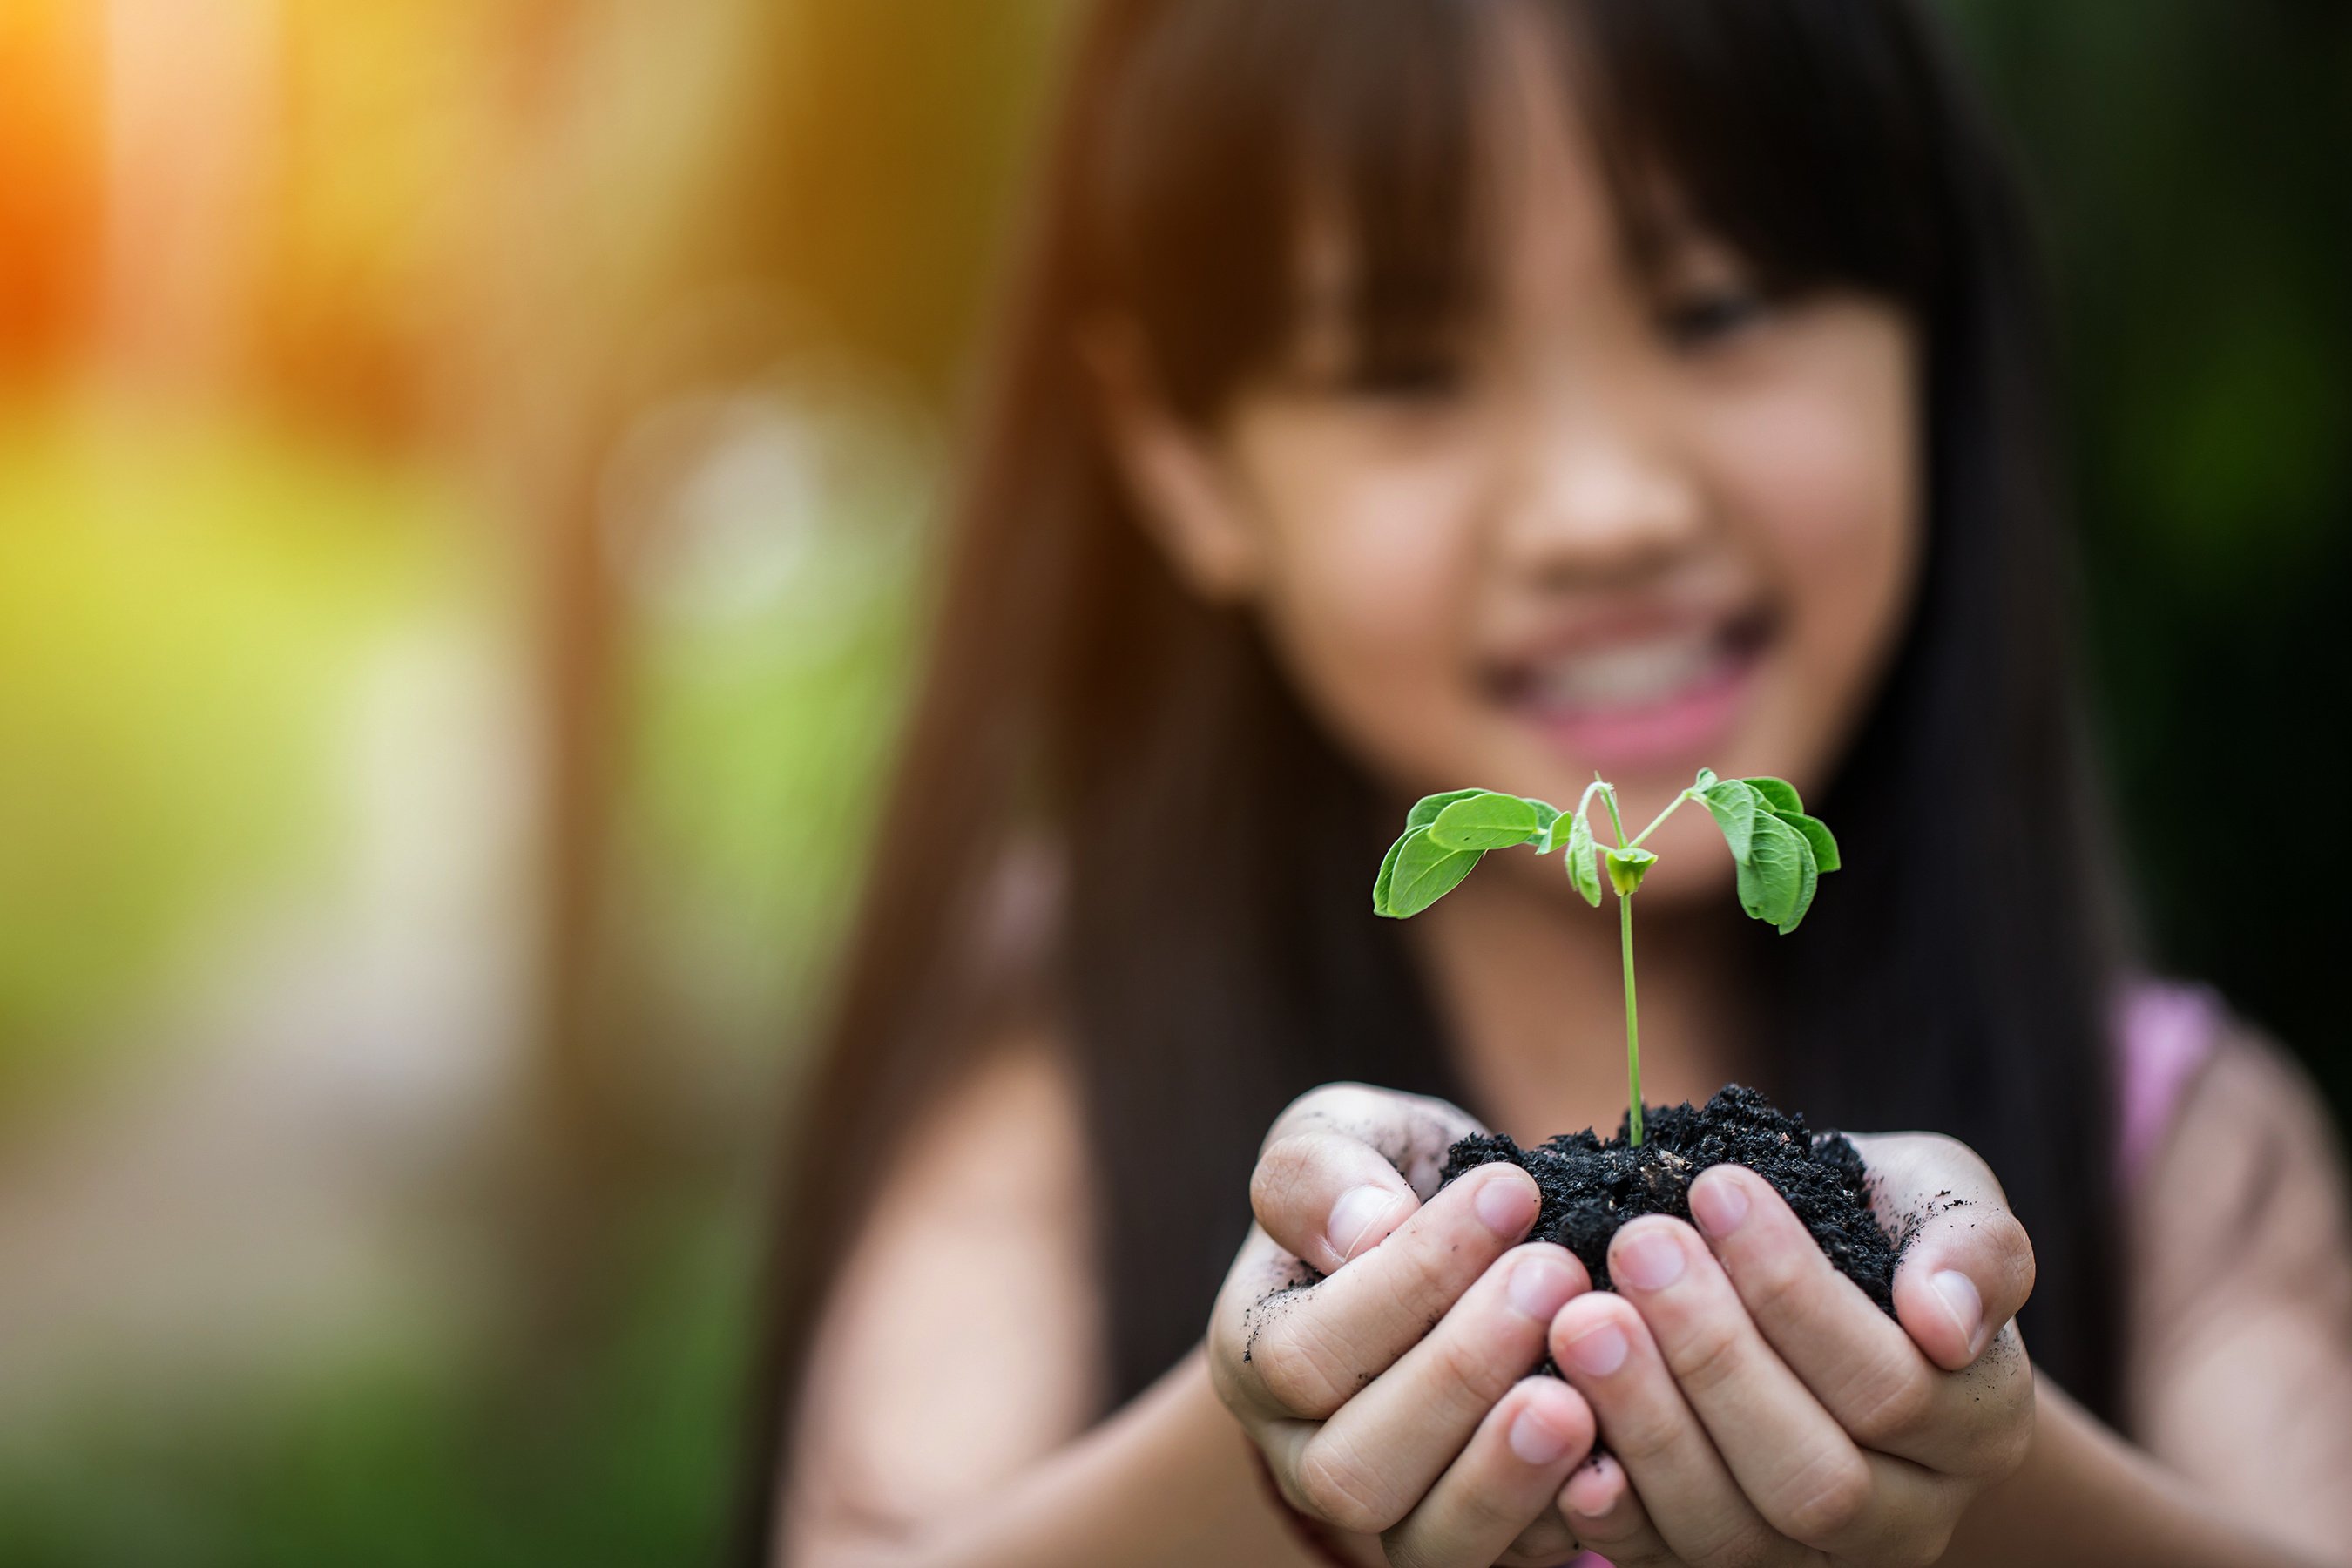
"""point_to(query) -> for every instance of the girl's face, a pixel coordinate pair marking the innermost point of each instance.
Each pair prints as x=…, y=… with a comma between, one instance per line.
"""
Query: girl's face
x=1632, y=524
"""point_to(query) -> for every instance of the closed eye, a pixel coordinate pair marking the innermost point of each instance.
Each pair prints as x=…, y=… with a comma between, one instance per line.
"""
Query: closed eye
x=1410, y=377
x=1704, y=318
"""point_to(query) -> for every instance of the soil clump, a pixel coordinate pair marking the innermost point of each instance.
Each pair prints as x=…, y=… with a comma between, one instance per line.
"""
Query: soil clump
x=1591, y=1186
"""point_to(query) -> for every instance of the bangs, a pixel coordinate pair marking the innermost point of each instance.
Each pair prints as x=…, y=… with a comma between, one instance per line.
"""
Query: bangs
x=1792, y=132
x=1796, y=132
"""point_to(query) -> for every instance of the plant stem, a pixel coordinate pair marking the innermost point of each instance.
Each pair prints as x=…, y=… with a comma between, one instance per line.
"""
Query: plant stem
x=1625, y=933
x=1632, y=1028
x=1671, y=807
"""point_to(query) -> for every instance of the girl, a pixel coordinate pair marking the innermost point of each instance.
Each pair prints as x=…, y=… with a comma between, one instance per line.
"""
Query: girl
x=1402, y=393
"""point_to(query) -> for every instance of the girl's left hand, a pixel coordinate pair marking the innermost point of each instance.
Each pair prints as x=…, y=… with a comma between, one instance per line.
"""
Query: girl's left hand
x=1760, y=1410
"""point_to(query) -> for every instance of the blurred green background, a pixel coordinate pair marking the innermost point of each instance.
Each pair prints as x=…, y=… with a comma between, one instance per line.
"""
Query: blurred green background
x=462, y=464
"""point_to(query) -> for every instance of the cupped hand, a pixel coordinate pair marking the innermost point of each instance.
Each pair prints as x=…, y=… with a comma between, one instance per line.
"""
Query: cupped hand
x=1758, y=1409
x=1393, y=1396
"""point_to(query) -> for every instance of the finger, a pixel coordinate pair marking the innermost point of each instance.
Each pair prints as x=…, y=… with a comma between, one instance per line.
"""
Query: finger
x=1867, y=1373
x=1970, y=1264
x=1604, y=1348
x=1411, y=1133
x=1606, y=1516
x=1310, y=1353
x=1264, y=1284
x=1345, y=1164
x=1546, y=1543
x=1857, y=1362
x=1796, y=1465
x=1326, y=1196
x=1507, y=1475
x=1384, y=1448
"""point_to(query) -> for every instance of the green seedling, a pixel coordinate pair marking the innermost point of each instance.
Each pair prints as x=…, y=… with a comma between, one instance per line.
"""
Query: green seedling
x=1780, y=852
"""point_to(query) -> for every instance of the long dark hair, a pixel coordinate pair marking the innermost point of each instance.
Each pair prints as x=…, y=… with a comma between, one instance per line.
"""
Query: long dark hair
x=1204, y=970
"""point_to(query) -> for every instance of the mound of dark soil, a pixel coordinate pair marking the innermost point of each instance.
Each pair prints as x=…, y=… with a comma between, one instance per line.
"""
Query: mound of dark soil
x=1591, y=1187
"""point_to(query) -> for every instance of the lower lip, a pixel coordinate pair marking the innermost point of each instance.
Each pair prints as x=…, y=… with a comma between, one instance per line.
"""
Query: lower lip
x=1675, y=730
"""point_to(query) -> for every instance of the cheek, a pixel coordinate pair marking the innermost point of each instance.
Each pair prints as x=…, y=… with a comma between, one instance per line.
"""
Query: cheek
x=1370, y=572
x=1824, y=481
x=1834, y=505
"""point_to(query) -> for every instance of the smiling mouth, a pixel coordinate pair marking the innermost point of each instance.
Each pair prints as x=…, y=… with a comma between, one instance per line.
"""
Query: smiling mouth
x=1638, y=701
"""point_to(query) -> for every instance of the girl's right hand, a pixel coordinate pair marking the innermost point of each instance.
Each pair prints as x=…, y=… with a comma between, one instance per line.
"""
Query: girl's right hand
x=1394, y=1397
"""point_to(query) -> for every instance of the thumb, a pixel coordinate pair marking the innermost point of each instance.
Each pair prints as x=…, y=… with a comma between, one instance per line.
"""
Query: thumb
x=1325, y=1197
x=1968, y=1265
x=1332, y=1181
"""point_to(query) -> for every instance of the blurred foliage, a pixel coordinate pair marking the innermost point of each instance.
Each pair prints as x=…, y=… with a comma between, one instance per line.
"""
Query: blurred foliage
x=2187, y=157
x=887, y=170
x=771, y=578
x=178, y=640
x=402, y=1456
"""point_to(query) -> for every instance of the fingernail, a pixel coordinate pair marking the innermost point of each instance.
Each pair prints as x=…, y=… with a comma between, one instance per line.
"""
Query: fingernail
x=1540, y=1285
x=1718, y=1203
x=1959, y=1294
x=1599, y=1351
x=1507, y=1206
x=1593, y=1491
x=1536, y=1440
x=1354, y=1215
x=1648, y=1260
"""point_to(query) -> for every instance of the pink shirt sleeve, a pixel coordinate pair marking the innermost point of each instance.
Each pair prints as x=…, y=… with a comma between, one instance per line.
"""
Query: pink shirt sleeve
x=2238, y=1339
x=2164, y=1033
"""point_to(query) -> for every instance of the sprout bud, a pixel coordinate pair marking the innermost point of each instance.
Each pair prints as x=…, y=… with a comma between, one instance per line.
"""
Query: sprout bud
x=1627, y=868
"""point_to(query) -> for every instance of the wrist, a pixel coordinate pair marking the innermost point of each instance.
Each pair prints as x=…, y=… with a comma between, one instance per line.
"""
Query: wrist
x=2084, y=1494
x=1318, y=1540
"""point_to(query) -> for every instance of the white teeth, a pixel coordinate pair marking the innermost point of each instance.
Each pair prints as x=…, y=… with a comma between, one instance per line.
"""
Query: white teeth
x=1632, y=675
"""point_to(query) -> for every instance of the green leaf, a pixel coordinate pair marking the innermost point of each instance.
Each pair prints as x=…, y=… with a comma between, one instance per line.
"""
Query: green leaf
x=1810, y=879
x=1817, y=834
x=1424, y=810
x=1424, y=871
x=1705, y=778
x=1488, y=820
x=1627, y=868
x=1780, y=796
x=1555, y=824
x=1388, y=872
x=1774, y=875
x=1733, y=805
x=1581, y=871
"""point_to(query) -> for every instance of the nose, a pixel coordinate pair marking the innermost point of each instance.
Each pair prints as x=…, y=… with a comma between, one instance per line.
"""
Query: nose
x=1601, y=493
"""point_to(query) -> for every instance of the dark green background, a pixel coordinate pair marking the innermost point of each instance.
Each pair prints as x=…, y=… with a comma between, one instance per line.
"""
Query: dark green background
x=2188, y=164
